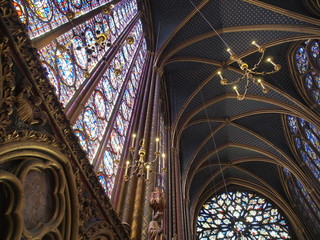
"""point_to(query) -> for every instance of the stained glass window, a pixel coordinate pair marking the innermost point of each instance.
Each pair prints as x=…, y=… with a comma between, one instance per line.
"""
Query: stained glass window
x=93, y=120
x=240, y=215
x=103, y=51
x=108, y=168
x=42, y=16
x=306, y=137
x=307, y=66
x=304, y=203
x=75, y=54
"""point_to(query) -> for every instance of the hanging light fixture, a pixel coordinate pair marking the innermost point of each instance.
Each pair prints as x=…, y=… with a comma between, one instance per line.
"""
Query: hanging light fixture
x=249, y=74
x=139, y=167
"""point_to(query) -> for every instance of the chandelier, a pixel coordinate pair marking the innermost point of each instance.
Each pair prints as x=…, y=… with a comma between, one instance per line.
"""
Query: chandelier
x=139, y=167
x=249, y=74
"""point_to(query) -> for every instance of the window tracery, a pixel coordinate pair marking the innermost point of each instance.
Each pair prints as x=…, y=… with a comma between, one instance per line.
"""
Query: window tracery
x=306, y=137
x=303, y=202
x=306, y=69
x=240, y=215
x=117, y=137
x=76, y=53
x=92, y=124
x=42, y=16
x=74, y=56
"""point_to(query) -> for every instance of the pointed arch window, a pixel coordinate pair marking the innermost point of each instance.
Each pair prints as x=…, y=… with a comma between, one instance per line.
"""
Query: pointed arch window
x=305, y=69
x=117, y=138
x=71, y=58
x=94, y=52
x=42, y=16
x=241, y=215
x=303, y=202
x=304, y=139
x=93, y=120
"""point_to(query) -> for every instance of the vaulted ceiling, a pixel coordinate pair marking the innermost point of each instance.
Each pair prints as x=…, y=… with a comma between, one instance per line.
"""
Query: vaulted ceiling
x=223, y=141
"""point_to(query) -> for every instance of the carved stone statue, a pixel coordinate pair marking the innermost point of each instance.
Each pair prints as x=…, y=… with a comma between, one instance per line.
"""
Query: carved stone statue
x=26, y=105
x=155, y=231
x=157, y=200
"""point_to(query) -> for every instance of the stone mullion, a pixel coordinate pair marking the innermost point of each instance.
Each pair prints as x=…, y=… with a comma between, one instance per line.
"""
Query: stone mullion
x=136, y=226
x=170, y=191
x=310, y=192
x=296, y=191
x=45, y=39
x=98, y=158
x=154, y=128
x=84, y=92
x=117, y=196
x=179, y=207
x=128, y=203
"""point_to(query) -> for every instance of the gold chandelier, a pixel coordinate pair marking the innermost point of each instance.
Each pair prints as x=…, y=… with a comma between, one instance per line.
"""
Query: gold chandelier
x=249, y=74
x=139, y=167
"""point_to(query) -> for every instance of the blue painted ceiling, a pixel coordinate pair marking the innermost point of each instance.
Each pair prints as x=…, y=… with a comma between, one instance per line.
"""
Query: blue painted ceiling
x=199, y=105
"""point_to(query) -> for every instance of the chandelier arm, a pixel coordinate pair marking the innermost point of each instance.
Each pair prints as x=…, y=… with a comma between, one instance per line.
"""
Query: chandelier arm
x=258, y=63
x=135, y=171
x=241, y=97
x=266, y=73
x=157, y=173
x=236, y=81
x=152, y=161
x=136, y=168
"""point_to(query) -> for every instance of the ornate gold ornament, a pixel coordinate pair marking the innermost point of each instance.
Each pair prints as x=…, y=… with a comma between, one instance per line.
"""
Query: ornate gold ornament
x=107, y=9
x=118, y=71
x=44, y=187
x=130, y=40
x=86, y=74
x=26, y=105
x=6, y=84
x=11, y=207
x=138, y=166
x=249, y=74
x=61, y=48
x=157, y=200
x=70, y=15
x=71, y=150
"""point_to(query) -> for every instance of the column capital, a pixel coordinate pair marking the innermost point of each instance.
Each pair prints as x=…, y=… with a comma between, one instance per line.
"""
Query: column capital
x=158, y=70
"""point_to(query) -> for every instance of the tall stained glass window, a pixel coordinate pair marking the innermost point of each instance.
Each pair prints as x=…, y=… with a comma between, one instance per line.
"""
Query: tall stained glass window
x=42, y=16
x=116, y=140
x=240, y=215
x=304, y=203
x=93, y=121
x=94, y=52
x=307, y=68
x=72, y=56
x=305, y=137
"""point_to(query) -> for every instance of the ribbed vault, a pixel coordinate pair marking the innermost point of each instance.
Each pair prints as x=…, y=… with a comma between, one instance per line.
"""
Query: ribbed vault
x=223, y=142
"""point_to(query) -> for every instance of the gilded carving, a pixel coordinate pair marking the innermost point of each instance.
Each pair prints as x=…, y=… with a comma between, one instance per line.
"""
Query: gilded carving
x=155, y=230
x=26, y=107
x=31, y=135
x=44, y=191
x=157, y=200
x=6, y=84
x=41, y=86
x=11, y=206
x=44, y=196
x=99, y=231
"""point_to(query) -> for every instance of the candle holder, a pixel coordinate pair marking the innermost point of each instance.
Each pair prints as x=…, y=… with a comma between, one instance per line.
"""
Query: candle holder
x=249, y=74
x=140, y=167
